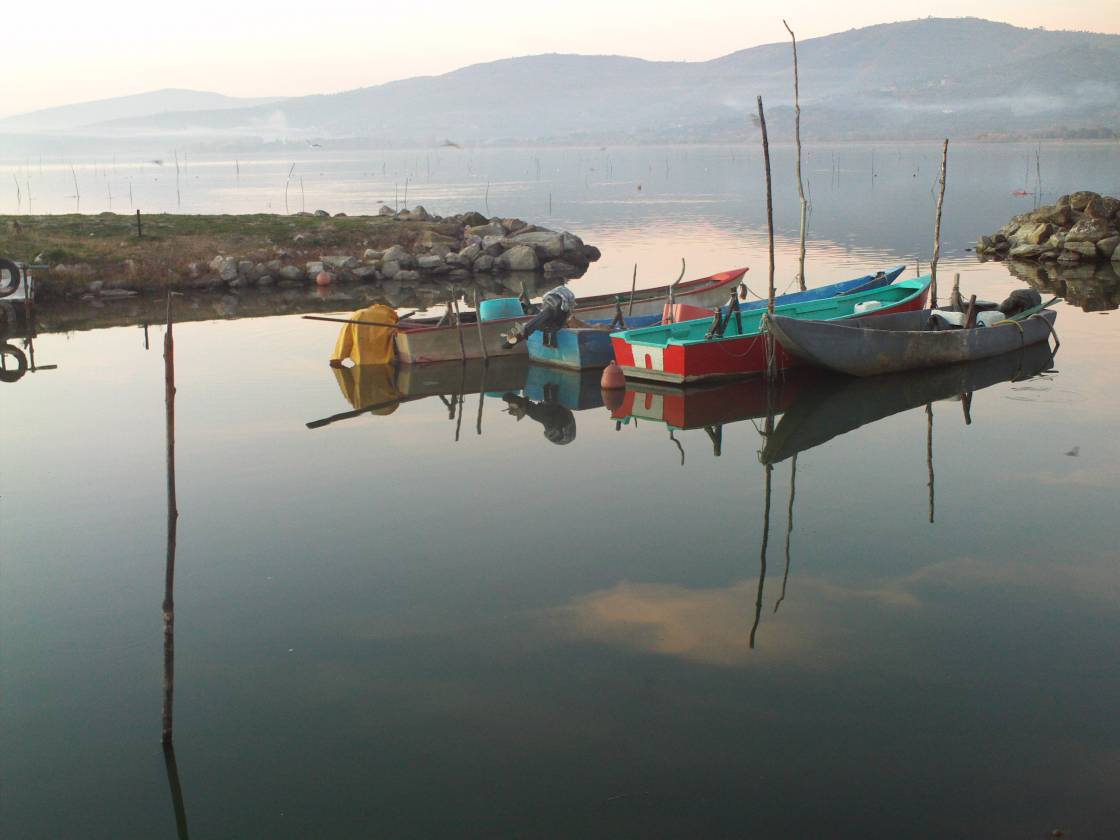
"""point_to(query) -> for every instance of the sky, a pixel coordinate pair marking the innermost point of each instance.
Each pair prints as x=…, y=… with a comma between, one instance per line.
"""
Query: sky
x=66, y=52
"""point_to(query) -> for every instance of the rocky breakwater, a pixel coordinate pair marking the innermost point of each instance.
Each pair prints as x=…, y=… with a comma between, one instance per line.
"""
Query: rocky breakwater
x=461, y=247
x=1082, y=227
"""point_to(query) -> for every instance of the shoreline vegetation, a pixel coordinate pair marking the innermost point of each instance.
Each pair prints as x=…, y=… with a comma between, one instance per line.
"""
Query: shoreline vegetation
x=110, y=255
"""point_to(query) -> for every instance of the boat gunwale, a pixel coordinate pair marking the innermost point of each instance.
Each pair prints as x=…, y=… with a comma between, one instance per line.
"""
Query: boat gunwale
x=918, y=290
x=696, y=286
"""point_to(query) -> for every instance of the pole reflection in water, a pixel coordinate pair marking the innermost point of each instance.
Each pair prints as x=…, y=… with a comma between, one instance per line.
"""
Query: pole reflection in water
x=789, y=527
x=929, y=455
x=167, y=733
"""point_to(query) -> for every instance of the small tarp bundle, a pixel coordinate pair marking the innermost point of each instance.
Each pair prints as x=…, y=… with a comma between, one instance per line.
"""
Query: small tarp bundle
x=365, y=344
x=370, y=387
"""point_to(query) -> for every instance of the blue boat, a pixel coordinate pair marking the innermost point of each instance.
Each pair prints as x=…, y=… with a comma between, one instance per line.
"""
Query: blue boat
x=580, y=348
x=575, y=348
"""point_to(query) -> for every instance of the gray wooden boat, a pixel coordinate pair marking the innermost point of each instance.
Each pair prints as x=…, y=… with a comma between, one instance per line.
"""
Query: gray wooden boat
x=903, y=341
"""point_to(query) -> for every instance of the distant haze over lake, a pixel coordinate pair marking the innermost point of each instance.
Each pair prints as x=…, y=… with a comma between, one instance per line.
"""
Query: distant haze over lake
x=922, y=79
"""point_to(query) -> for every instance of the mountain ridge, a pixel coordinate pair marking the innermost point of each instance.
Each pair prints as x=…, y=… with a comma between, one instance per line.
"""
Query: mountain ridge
x=910, y=79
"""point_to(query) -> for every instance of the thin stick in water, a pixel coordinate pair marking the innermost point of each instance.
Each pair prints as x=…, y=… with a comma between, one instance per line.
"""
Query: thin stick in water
x=937, y=226
x=797, y=137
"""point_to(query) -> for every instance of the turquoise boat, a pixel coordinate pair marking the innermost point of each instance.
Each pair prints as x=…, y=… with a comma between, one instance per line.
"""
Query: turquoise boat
x=694, y=351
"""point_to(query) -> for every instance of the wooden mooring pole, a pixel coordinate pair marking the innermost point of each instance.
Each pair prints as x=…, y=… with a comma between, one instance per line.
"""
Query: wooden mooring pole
x=937, y=226
x=172, y=525
x=797, y=137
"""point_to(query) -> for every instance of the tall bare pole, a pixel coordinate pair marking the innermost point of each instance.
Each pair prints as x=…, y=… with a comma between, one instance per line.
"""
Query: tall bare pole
x=937, y=226
x=172, y=523
x=770, y=349
x=797, y=136
x=929, y=455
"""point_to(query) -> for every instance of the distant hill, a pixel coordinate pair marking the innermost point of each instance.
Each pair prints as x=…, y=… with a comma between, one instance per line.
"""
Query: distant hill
x=141, y=105
x=926, y=78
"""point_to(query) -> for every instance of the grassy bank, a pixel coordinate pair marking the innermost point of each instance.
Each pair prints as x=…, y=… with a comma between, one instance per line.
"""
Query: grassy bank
x=176, y=250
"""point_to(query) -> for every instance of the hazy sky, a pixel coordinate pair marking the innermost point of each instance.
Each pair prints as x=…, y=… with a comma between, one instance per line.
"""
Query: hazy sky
x=59, y=53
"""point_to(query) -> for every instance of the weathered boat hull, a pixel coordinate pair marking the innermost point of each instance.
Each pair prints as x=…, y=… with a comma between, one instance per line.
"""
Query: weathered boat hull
x=576, y=348
x=656, y=354
x=423, y=341
x=869, y=347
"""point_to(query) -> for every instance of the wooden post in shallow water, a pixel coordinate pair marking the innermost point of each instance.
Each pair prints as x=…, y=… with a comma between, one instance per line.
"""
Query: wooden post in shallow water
x=797, y=137
x=937, y=227
x=770, y=349
x=172, y=523
x=139, y=229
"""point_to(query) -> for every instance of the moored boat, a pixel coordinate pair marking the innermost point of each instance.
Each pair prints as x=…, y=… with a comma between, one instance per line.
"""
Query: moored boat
x=903, y=341
x=583, y=348
x=700, y=350
x=428, y=340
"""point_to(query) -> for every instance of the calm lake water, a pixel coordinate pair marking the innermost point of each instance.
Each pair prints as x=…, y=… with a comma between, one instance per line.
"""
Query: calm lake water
x=436, y=620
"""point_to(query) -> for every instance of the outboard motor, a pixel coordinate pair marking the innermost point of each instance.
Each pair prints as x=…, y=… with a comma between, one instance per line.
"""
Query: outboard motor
x=556, y=308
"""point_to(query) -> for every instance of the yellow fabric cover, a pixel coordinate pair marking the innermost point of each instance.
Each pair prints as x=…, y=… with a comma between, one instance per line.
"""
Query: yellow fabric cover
x=364, y=386
x=367, y=345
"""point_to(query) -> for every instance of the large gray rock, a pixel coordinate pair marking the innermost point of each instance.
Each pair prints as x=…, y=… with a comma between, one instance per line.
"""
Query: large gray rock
x=1031, y=233
x=494, y=244
x=473, y=219
x=1089, y=230
x=484, y=263
x=471, y=252
x=1107, y=246
x=313, y=269
x=228, y=270
x=365, y=273
x=273, y=266
x=292, y=273
x=428, y=262
x=488, y=229
x=518, y=258
x=386, y=210
x=547, y=245
x=407, y=275
x=420, y=214
x=1025, y=250
x=1084, y=249
x=1079, y=200
x=340, y=262
x=396, y=254
x=371, y=255
x=390, y=269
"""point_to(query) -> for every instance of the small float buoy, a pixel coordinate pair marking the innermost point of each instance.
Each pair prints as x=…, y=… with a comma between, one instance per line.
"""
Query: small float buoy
x=322, y=279
x=612, y=378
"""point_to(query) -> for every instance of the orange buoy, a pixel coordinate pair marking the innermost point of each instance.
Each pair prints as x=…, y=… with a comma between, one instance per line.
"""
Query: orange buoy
x=322, y=279
x=612, y=378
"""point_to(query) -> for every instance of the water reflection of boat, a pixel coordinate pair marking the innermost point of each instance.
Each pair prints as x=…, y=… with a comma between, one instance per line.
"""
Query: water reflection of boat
x=833, y=405
x=695, y=408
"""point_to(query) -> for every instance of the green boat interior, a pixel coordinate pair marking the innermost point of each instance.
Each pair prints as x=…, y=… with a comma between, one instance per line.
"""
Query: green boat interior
x=696, y=332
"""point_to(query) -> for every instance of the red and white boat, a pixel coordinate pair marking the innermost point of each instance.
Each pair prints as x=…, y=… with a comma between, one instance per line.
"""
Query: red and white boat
x=690, y=352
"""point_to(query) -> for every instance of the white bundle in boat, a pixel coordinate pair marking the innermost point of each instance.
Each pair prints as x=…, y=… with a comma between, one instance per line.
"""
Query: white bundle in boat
x=867, y=306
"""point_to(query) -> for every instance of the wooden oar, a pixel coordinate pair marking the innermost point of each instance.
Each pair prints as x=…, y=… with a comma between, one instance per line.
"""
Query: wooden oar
x=1034, y=310
x=352, y=321
x=346, y=415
